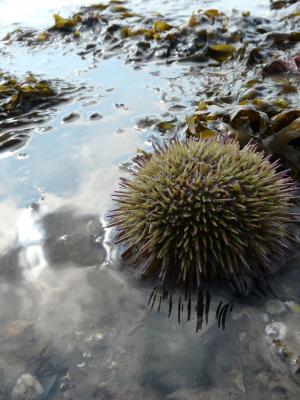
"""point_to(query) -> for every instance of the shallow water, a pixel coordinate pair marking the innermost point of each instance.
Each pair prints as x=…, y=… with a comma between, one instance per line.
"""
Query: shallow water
x=70, y=313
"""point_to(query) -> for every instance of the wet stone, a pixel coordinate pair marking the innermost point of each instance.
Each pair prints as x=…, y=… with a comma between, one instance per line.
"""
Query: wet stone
x=22, y=156
x=90, y=46
x=27, y=388
x=121, y=105
x=146, y=122
x=71, y=117
x=10, y=141
x=95, y=116
x=12, y=144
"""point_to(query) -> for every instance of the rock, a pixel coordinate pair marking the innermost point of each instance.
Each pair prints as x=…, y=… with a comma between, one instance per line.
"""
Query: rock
x=291, y=64
x=121, y=105
x=146, y=122
x=71, y=117
x=27, y=388
x=95, y=116
x=297, y=60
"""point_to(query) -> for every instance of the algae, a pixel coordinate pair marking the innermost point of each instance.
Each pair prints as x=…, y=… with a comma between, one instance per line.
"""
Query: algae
x=251, y=99
x=26, y=100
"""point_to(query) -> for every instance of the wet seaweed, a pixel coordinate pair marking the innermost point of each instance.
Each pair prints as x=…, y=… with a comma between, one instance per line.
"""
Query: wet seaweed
x=21, y=96
x=208, y=35
x=259, y=57
x=27, y=100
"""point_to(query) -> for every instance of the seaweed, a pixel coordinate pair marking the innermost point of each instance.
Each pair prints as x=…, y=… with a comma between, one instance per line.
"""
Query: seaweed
x=22, y=96
x=206, y=35
x=24, y=101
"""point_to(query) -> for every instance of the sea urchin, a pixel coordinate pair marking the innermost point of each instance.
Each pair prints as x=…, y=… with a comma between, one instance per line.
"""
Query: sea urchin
x=202, y=211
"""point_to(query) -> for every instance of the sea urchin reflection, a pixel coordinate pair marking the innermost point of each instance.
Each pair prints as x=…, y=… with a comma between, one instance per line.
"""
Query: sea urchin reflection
x=196, y=212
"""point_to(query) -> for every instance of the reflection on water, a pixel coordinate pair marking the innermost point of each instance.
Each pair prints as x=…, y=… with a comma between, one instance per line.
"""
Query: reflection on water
x=81, y=326
x=71, y=315
x=31, y=257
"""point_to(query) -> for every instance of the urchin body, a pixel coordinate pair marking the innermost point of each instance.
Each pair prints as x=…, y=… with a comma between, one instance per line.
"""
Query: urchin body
x=203, y=211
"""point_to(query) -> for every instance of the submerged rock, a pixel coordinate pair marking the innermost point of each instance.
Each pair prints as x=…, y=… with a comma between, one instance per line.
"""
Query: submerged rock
x=27, y=388
x=95, y=116
x=71, y=117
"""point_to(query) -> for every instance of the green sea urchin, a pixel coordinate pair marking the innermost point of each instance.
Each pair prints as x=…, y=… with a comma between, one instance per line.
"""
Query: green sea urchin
x=203, y=211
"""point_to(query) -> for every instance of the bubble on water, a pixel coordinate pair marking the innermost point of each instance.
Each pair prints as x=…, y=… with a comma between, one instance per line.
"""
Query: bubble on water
x=67, y=377
x=113, y=365
x=99, y=239
x=99, y=336
x=105, y=264
x=63, y=237
x=80, y=365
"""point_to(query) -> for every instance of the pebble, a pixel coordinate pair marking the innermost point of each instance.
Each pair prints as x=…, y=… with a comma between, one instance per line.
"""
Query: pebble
x=71, y=117
x=95, y=116
x=121, y=105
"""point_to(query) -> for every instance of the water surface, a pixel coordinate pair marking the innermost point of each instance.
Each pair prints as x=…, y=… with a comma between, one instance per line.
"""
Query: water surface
x=71, y=314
